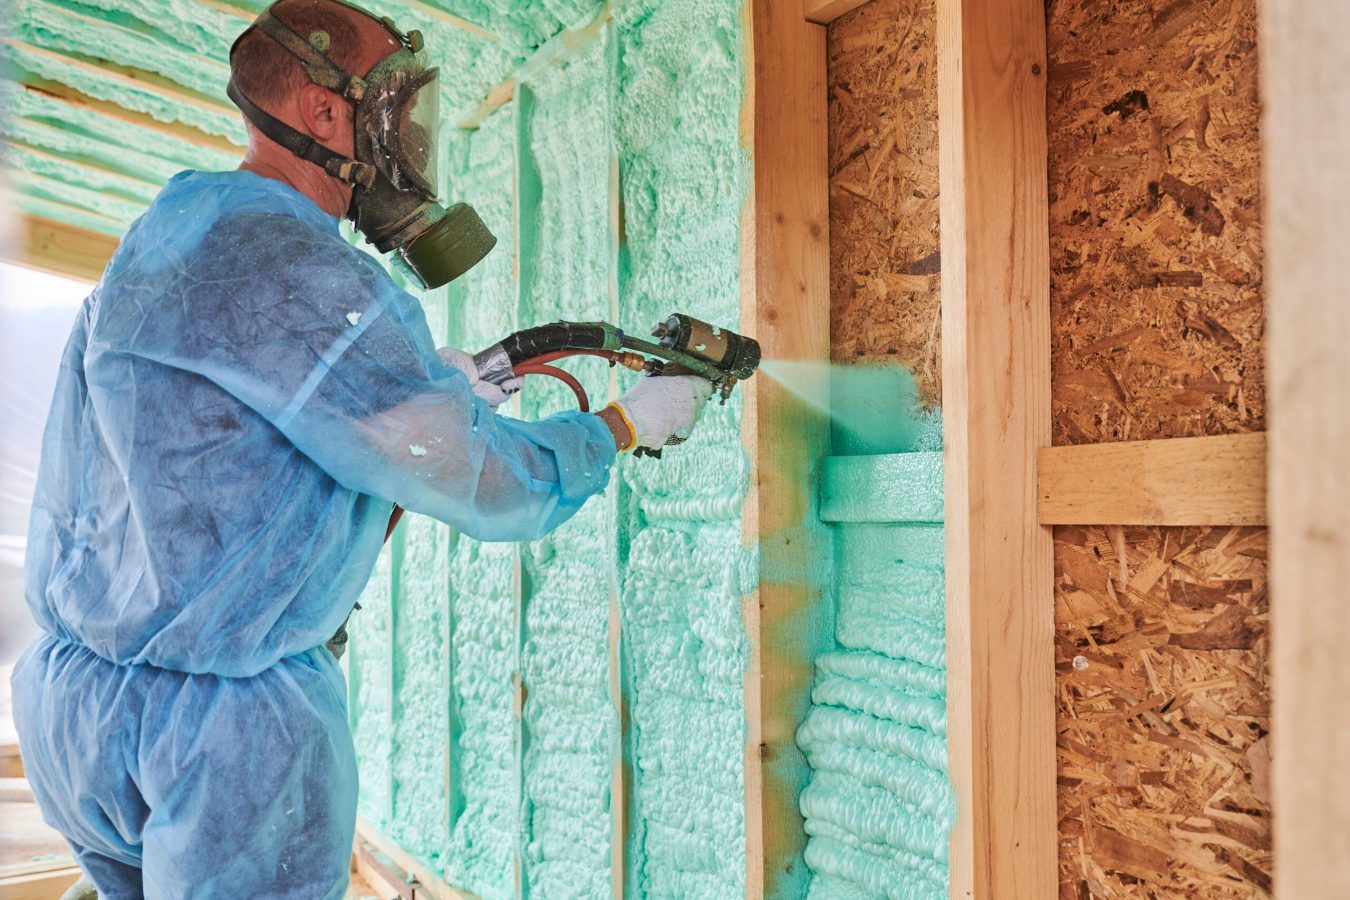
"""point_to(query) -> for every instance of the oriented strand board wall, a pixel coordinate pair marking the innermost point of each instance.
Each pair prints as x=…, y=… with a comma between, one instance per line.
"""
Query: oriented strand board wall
x=884, y=262
x=1156, y=292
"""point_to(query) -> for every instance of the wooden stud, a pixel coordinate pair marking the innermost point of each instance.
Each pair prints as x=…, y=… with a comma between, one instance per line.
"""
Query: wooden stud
x=60, y=249
x=1305, y=77
x=785, y=305
x=1170, y=481
x=996, y=414
x=823, y=12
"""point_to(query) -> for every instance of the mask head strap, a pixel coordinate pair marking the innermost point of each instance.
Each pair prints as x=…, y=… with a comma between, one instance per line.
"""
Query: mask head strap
x=302, y=145
x=313, y=56
x=311, y=53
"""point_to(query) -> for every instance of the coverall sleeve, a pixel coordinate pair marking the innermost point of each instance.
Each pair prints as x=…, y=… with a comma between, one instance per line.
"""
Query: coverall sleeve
x=315, y=337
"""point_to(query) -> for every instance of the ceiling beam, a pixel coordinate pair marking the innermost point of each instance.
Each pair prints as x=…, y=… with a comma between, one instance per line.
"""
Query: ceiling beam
x=64, y=30
x=170, y=140
x=130, y=89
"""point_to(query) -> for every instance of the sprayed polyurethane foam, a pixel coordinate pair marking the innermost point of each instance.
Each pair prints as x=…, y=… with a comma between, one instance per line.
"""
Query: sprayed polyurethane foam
x=684, y=176
x=570, y=732
x=879, y=806
x=434, y=649
x=483, y=791
x=660, y=95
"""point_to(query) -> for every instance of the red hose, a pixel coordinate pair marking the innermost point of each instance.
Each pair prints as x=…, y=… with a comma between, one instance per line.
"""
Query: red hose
x=537, y=365
x=531, y=367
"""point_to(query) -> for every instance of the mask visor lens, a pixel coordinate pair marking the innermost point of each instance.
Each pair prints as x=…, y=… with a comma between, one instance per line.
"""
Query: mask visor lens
x=417, y=143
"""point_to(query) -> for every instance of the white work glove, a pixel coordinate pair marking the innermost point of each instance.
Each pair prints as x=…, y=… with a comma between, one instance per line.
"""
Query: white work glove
x=494, y=394
x=660, y=407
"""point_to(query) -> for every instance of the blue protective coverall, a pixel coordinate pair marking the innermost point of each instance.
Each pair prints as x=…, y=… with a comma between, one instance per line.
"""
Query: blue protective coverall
x=242, y=399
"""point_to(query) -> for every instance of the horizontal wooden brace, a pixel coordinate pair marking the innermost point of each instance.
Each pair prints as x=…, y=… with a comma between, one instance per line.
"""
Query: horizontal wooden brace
x=40, y=880
x=1172, y=481
x=62, y=249
x=379, y=872
x=381, y=850
x=824, y=12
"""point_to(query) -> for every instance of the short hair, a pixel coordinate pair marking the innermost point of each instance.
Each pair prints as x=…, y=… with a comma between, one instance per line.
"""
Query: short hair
x=267, y=73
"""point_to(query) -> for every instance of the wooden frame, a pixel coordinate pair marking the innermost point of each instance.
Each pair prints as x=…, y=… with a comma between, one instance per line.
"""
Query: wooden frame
x=1178, y=481
x=1307, y=181
x=996, y=414
x=60, y=249
x=41, y=880
x=824, y=12
x=785, y=305
x=11, y=763
x=379, y=859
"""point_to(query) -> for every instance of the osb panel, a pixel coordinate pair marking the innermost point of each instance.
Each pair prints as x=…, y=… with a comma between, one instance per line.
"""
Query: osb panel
x=1164, y=710
x=884, y=263
x=1155, y=233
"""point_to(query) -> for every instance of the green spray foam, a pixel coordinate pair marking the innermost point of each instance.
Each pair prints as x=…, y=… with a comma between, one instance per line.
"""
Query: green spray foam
x=684, y=175
x=570, y=732
x=674, y=536
x=879, y=806
x=482, y=798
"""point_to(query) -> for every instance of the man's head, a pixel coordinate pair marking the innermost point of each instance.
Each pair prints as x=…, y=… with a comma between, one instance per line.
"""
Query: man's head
x=343, y=108
x=274, y=79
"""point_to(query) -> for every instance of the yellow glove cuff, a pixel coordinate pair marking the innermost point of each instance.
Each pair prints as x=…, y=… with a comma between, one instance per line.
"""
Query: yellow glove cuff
x=632, y=429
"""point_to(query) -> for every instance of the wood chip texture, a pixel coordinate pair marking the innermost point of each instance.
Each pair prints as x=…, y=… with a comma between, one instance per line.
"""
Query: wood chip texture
x=883, y=146
x=1155, y=231
x=1163, y=697
x=1164, y=712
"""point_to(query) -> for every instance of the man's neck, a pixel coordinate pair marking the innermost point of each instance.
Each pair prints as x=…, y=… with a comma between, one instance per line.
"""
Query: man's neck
x=327, y=192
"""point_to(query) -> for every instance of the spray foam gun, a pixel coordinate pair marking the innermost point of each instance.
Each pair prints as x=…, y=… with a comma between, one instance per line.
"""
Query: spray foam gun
x=684, y=346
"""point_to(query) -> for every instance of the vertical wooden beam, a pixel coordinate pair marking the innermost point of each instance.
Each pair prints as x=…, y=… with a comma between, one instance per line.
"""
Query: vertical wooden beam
x=996, y=413
x=785, y=305
x=1305, y=77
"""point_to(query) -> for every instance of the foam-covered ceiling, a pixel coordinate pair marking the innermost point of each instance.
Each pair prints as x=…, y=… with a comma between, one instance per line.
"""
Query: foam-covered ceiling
x=103, y=100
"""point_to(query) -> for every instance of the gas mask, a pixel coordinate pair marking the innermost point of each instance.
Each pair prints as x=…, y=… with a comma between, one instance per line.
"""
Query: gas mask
x=393, y=174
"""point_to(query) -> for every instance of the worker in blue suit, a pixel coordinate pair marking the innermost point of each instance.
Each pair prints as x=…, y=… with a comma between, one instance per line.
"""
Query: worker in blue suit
x=243, y=400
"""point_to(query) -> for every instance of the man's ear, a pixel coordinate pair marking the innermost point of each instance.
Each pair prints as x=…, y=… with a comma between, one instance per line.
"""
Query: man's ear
x=321, y=112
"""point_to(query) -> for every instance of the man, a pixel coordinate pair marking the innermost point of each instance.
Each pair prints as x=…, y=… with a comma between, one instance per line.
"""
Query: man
x=243, y=398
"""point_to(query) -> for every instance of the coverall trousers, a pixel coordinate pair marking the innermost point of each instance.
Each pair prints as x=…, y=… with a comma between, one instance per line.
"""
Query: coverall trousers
x=171, y=785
